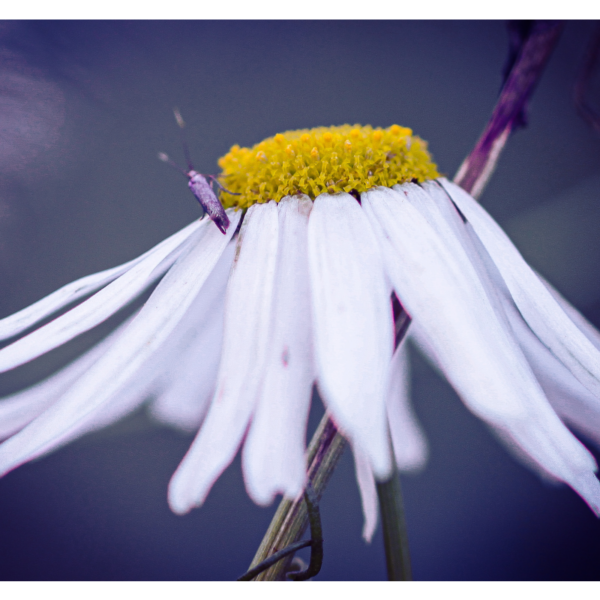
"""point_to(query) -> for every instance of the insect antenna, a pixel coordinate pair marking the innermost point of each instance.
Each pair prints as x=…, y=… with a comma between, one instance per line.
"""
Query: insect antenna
x=162, y=156
x=186, y=149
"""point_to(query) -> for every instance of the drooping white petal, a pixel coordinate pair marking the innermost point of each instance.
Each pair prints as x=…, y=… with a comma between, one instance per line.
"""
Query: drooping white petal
x=441, y=290
x=573, y=402
x=567, y=396
x=19, y=409
x=352, y=323
x=432, y=203
x=438, y=291
x=408, y=440
x=148, y=330
x=541, y=311
x=368, y=493
x=273, y=455
x=19, y=321
x=98, y=307
x=184, y=398
x=124, y=401
x=170, y=372
x=189, y=381
x=245, y=345
x=592, y=334
x=553, y=376
x=127, y=401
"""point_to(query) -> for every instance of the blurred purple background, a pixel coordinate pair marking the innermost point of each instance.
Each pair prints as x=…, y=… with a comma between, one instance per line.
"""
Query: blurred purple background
x=84, y=108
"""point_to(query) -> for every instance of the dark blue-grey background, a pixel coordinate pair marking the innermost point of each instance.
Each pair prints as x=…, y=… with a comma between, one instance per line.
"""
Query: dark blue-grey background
x=84, y=107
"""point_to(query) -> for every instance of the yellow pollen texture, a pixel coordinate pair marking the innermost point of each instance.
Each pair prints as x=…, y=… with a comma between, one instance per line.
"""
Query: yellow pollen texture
x=324, y=159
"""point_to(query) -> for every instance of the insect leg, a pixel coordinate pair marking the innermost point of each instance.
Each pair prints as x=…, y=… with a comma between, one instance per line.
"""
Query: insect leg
x=214, y=179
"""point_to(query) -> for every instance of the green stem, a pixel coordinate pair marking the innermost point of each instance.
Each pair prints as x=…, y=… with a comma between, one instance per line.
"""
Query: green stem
x=291, y=518
x=395, y=538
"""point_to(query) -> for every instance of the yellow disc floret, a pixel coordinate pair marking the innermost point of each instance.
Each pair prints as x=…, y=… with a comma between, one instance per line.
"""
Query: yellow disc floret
x=325, y=159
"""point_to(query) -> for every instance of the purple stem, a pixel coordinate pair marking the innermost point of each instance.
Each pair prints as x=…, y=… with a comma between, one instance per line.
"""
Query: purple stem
x=511, y=107
x=590, y=64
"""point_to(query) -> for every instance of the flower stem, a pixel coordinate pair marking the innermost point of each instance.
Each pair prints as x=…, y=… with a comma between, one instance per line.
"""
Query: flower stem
x=477, y=168
x=395, y=538
x=315, y=543
x=291, y=518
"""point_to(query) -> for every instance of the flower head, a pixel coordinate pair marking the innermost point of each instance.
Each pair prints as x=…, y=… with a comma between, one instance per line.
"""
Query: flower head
x=335, y=223
x=324, y=160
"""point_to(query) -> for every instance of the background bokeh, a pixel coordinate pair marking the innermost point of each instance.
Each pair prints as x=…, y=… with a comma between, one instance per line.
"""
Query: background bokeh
x=84, y=108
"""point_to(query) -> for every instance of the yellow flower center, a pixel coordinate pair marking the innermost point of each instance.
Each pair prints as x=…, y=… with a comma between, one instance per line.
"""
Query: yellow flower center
x=325, y=159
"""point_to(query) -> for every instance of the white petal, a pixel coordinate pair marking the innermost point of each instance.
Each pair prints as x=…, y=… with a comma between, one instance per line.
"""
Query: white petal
x=19, y=409
x=442, y=295
x=368, y=493
x=98, y=308
x=537, y=305
x=245, y=344
x=408, y=440
x=67, y=377
x=19, y=321
x=432, y=203
x=182, y=370
x=440, y=289
x=592, y=334
x=273, y=455
x=574, y=403
x=184, y=399
x=192, y=367
x=170, y=372
x=352, y=322
x=149, y=329
x=567, y=396
x=569, y=399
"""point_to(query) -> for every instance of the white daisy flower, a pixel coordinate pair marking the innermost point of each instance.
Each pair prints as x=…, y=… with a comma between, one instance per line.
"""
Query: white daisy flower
x=329, y=226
